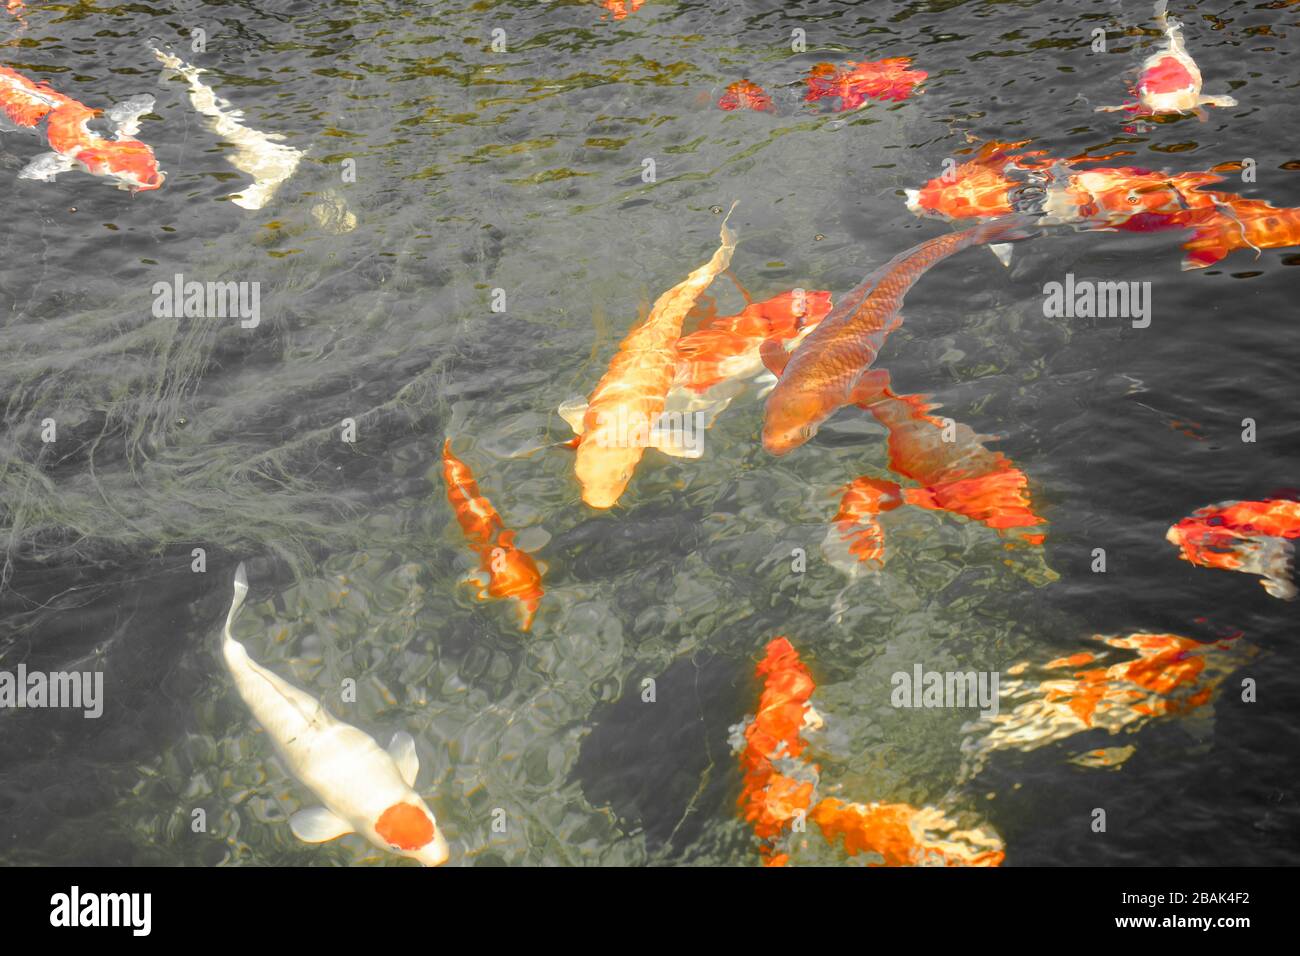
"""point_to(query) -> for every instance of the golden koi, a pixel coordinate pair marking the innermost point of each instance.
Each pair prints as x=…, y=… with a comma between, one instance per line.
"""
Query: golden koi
x=619, y=421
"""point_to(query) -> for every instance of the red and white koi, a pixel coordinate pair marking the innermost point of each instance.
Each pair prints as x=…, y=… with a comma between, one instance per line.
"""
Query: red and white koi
x=1253, y=537
x=364, y=789
x=1170, y=81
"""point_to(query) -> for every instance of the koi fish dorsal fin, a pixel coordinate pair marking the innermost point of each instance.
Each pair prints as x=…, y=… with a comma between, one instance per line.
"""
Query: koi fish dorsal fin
x=402, y=749
x=774, y=356
x=318, y=825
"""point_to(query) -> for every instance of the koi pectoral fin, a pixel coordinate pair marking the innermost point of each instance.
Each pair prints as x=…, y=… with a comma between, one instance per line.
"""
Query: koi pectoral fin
x=318, y=825
x=46, y=166
x=1003, y=252
x=573, y=412
x=871, y=387
x=775, y=357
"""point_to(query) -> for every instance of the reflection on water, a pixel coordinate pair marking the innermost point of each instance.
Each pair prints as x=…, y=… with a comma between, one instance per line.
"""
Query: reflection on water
x=466, y=238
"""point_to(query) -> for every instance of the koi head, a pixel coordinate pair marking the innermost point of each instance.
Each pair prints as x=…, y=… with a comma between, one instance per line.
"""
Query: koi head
x=746, y=95
x=791, y=420
x=604, y=469
x=410, y=830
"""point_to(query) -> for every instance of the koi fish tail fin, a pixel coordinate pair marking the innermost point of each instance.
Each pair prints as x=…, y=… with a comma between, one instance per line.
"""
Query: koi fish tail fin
x=237, y=602
x=1273, y=559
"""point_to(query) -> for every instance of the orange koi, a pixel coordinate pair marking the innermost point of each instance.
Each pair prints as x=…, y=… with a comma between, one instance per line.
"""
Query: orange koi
x=1170, y=81
x=855, y=83
x=1253, y=537
x=777, y=787
x=727, y=348
x=619, y=421
x=1122, y=198
x=745, y=95
x=510, y=572
x=130, y=162
x=1169, y=676
x=956, y=472
x=780, y=785
x=828, y=370
x=619, y=9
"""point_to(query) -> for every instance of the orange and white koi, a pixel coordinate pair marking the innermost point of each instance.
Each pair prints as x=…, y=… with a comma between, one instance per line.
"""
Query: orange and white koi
x=854, y=83
x=1254, y=537
x=897, y=834
x=780, y=786
x=1169, y=676
x=829, y=368
x=997, y=180
x=509, y=571
x=124, y=159
x=746, y=95
x=269, y=163
x=364, y=788
x=1170, y=81
x=728, y=348
x=620, y=419
x=956, y=473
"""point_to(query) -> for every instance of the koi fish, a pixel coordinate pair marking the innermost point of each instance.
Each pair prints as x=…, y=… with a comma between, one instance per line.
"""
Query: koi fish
x=956, y=473
x=780, y=785
x=777, y=785
x=510, y=572
x=1254, y=537
x=131, y=163
x=1170, y=81
x=900, y=835
x=364, y=788
x=997, y=180
x=1170, y=675
x=269, y=163
x=619, y=421
x=855, y=83
x=828, y=370
x=619, y=9
x=727, y=348
x=744, y=95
